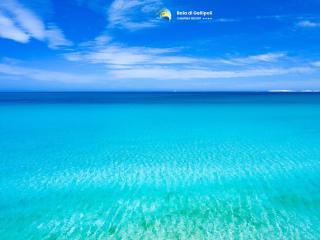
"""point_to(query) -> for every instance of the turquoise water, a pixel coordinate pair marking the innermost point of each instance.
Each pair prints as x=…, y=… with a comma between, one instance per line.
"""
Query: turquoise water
x=159, y=166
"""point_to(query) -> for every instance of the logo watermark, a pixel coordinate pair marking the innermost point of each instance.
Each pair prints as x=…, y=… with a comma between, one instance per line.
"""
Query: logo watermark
x=190, y=15
x=165, y=14
x=194, y=15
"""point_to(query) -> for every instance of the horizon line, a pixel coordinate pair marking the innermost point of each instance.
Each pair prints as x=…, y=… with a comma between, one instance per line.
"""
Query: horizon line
x=158, y=91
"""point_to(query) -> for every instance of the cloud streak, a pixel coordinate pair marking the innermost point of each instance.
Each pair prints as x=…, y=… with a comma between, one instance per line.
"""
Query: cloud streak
x=122, y=62
x=308, y=24
x=44, y=75
x=115, y=55
x=120, y=56
x=134, y=14
x=186, y=74
x=20, y=24
x=316, y=64
x=9, y=30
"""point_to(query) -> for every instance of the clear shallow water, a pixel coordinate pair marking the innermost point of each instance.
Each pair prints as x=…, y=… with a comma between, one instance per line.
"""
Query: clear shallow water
x=159, y=166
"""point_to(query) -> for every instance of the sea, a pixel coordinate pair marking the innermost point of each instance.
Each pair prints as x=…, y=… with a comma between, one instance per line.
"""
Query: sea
x=159, y=165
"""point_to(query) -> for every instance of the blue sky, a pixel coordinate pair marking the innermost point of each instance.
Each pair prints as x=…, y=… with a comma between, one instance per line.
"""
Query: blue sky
x=123, y=45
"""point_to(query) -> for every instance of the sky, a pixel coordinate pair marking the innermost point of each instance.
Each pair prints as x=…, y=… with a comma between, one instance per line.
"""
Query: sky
x=123, y=45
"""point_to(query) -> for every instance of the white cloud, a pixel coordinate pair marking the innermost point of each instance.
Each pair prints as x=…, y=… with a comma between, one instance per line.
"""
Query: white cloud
x=56, y=38
x=128, y=62
x=308, y=24
x=20, y=24
x=316, y=64
x=133, y=14
x=226, y=20
x=44, y=75
x=185, y=74
x=120, y=56
x=266, y=57
x=139, y=73
x=290, y=90
x=113, y=54
x=124, y=62
x=8, y=30
x=275, y=17
x=281, y=91
x=25, y=19
x=310, y=91
x=101, y=40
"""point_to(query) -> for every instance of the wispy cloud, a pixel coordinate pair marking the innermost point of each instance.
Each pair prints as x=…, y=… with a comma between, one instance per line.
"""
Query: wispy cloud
x=123, y=62
x=25, y=19
x=9, y=30
x=316, y=64
x=44, y=75
x=134, y=14
x=141, y=64
x=104, y=51
x=300, y=21
x=308, y=24
x=56, y=38
x=20, y=24
x=226, y=20
x=266, y=57
x=115, y=55
x=291, y=90
x=165, y=73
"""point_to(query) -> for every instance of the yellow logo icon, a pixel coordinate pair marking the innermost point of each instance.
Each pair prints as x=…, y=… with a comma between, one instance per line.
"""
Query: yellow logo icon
x=165, y=14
